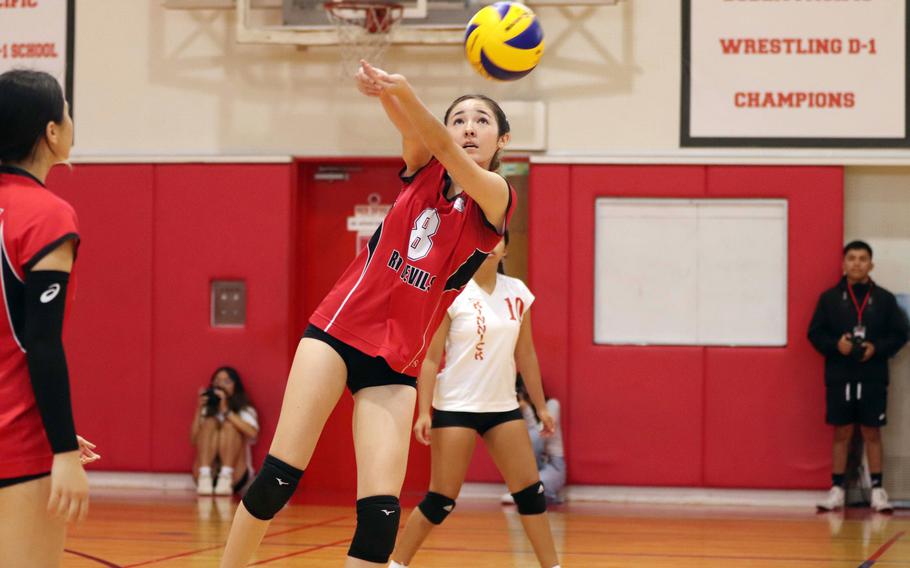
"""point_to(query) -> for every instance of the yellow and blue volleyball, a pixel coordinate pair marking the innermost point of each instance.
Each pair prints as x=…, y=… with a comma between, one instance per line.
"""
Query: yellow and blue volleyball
x=504, y=41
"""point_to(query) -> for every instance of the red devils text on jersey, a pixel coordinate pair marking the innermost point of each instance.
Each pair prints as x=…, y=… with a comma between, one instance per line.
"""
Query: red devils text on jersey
x=33, y=222
x=390, y=300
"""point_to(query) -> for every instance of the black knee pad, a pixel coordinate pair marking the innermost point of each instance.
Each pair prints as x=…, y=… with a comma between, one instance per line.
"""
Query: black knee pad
x=531, y=500
x=377, y=527
x=436, y=507
x=272, y=488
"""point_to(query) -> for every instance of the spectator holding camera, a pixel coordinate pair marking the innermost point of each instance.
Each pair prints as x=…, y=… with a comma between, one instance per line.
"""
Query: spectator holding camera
x=224, y=428
x=857, y=326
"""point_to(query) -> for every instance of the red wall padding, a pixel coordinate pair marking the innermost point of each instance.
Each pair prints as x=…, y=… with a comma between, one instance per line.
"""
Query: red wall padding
x=690, y=416
x=154, y=236
x=108, y=334
x=218, y=222
x=139, y=341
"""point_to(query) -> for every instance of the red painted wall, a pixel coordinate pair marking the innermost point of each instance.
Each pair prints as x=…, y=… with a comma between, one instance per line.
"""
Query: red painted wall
x=683, y=416
x=218, y=222
x=108, y=335
x=139, y=341
x=154, y=236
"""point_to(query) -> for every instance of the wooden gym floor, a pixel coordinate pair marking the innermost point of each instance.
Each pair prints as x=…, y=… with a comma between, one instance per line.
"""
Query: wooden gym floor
x=142, y=529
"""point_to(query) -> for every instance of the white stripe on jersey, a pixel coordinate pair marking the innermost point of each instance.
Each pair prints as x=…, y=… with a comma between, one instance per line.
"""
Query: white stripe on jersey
x=6, y=306
x=356, y=284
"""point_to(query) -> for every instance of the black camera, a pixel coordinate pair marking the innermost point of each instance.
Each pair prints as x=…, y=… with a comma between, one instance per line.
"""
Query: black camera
x=211, y=401
x=858, y=351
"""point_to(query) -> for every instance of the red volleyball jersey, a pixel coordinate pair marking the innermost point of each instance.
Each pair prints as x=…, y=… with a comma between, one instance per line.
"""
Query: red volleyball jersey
x=390, y=300
x=33, y=222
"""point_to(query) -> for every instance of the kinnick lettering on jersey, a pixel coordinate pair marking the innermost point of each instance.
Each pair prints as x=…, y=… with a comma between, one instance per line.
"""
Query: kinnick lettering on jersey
x=416, y=277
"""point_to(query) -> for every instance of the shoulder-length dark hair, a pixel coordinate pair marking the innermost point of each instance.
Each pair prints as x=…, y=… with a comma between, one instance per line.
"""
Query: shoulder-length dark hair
x=521, y=391
x=501, y=268
x=239, y=400
x=29, y=100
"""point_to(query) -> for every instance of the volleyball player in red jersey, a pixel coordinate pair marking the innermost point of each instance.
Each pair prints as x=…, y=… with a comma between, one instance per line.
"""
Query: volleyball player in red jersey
x=42, y=480
x=372, y=330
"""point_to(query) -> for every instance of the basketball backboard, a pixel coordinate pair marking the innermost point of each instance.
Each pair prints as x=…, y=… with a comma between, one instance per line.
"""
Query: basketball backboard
x=425, y=21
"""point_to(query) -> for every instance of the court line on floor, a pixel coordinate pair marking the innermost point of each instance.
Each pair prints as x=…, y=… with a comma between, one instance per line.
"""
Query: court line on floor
x=565, y=553
x=300, y=552
x=101, y=561
x=217, y=546
x=878, y=553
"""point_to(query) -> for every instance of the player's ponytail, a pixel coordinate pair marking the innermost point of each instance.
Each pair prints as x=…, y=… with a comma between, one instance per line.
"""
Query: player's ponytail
x=29, y=100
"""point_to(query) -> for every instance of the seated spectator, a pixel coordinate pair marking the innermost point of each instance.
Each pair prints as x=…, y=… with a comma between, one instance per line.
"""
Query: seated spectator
x=547, y=449
x=224, y=428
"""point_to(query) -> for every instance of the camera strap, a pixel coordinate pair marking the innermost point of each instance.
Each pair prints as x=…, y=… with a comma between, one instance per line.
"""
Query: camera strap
x=860, y=308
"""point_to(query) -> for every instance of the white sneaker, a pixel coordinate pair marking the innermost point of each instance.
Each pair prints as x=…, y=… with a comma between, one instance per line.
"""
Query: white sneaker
x=507, y=499
x=224, y=486
x=880, y=503
x=204, y=485
x=834, y=501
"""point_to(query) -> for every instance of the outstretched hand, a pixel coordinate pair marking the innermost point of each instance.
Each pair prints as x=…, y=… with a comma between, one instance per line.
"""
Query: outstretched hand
x=86, y=453
x=366, y=85
x=373, y=81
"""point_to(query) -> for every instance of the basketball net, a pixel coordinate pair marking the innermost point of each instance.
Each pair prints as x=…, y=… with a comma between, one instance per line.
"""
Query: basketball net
x=364, y=30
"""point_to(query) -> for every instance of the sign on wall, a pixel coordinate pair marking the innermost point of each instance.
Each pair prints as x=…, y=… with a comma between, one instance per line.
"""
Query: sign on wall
x=795, y=73
x=38, y=34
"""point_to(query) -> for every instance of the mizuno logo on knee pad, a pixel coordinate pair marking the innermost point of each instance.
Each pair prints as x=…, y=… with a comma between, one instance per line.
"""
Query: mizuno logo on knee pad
x=264, y=499
x=374, y=537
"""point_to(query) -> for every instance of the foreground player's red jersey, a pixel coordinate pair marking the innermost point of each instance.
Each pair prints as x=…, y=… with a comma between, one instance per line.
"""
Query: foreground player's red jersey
x=390, y=300
x=33, y=222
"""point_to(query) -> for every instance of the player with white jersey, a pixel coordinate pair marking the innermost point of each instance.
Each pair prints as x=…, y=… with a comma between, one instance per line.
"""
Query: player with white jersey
x=485, y=332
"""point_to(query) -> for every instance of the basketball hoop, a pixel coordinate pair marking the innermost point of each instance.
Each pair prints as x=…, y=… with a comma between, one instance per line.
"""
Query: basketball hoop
x=364, y=29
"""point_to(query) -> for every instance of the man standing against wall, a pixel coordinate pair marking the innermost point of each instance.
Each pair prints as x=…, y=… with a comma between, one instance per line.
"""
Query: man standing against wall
x=857, y=326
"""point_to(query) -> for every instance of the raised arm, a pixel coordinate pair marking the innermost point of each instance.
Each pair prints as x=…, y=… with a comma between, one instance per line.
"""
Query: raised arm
x=413, y=150
x=488, y=189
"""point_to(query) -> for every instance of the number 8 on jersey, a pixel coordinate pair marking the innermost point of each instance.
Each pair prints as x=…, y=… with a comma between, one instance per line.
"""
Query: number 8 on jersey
x=425, y=227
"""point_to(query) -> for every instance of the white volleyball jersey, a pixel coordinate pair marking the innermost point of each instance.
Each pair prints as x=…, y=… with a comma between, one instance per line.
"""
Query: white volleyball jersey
x=479, y=373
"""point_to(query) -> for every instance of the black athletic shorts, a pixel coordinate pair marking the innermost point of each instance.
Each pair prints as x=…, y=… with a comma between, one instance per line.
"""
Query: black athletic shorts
x=480, y=421
x=17, y=480
x=857, y=402
x=363, y=370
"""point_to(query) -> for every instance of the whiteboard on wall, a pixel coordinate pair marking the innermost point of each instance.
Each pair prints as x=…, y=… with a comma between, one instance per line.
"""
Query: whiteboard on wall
x=690, y=272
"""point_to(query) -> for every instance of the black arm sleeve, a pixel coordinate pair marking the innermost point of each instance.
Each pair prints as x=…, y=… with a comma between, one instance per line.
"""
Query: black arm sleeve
x=820, y=333
x=45, y=299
